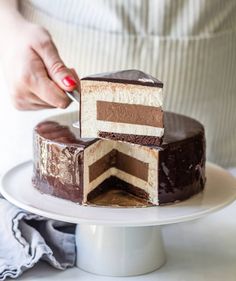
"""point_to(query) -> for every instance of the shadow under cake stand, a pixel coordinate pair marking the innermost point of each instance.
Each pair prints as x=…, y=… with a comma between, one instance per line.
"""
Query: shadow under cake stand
x=119, y=241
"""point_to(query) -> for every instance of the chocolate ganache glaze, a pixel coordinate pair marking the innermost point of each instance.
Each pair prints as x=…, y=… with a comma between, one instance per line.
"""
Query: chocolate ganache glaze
x=60, y=155
x=130, y=76
x=182, y=159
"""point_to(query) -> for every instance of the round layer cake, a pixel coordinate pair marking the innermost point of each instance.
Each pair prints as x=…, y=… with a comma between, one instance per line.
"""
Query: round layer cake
x=116, y=173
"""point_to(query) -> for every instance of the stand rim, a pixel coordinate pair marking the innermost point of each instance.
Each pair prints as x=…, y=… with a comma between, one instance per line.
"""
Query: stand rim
x=115, y=216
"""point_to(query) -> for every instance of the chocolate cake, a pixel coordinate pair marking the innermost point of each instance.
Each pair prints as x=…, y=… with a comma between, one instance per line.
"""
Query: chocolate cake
x=108, y=172
x=124, y=105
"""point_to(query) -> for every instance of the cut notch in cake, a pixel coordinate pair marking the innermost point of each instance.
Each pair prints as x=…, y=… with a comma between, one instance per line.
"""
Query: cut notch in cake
x=135, y=165
x=124, y=105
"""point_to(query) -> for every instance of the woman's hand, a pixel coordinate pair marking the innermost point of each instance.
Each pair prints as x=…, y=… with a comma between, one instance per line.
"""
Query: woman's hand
x=34, y=71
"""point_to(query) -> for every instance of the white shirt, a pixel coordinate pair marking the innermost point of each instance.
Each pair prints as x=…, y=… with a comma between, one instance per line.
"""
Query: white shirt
x=190, y=45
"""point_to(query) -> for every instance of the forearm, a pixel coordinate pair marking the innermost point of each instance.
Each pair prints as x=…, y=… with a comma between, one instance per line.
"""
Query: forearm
x=12, y=23
x=9, y=15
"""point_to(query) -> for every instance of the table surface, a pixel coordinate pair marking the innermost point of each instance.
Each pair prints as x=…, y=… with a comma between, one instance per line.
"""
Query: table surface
x=199, y=250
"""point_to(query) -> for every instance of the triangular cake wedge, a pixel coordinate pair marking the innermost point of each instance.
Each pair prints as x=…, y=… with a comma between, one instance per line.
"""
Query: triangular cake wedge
x=124, y=105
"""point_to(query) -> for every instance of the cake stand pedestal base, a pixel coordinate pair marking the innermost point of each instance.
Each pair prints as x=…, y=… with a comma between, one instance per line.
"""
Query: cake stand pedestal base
x=119, y=241
x=119, y=251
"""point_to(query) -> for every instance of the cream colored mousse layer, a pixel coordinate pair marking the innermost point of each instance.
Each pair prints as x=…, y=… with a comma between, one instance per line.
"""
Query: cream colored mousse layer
x=147, y=155
x=93, y=91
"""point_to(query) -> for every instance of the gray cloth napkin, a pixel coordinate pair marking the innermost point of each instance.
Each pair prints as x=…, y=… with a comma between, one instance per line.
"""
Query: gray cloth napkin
x=27, y=238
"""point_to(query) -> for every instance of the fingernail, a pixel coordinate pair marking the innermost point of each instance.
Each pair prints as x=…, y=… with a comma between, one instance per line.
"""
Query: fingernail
x=69, y=81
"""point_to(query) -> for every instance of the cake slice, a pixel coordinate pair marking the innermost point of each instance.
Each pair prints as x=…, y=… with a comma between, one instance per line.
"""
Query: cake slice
x=124, y=105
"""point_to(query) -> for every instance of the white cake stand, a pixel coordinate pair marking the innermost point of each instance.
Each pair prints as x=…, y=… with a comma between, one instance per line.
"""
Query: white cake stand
x=119, y=241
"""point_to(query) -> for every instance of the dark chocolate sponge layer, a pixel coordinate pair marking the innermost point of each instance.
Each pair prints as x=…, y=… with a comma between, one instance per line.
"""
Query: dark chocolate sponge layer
x=138, y=139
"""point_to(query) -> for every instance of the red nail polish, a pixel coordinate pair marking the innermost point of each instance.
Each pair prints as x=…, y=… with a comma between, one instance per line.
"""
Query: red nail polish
x=68, y=81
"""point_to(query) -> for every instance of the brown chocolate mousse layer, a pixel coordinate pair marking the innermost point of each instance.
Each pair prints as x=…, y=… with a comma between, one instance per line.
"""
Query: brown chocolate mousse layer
x=121, y=161
x=129, y=113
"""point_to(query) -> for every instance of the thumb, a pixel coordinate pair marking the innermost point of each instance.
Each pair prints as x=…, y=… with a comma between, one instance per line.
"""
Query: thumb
x=77, y=79
x=57, y=71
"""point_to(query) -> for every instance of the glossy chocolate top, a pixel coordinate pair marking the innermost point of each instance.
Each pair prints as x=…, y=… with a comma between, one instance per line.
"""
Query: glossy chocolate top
x=60, y=129
x=131, y=76
x=179, y=128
